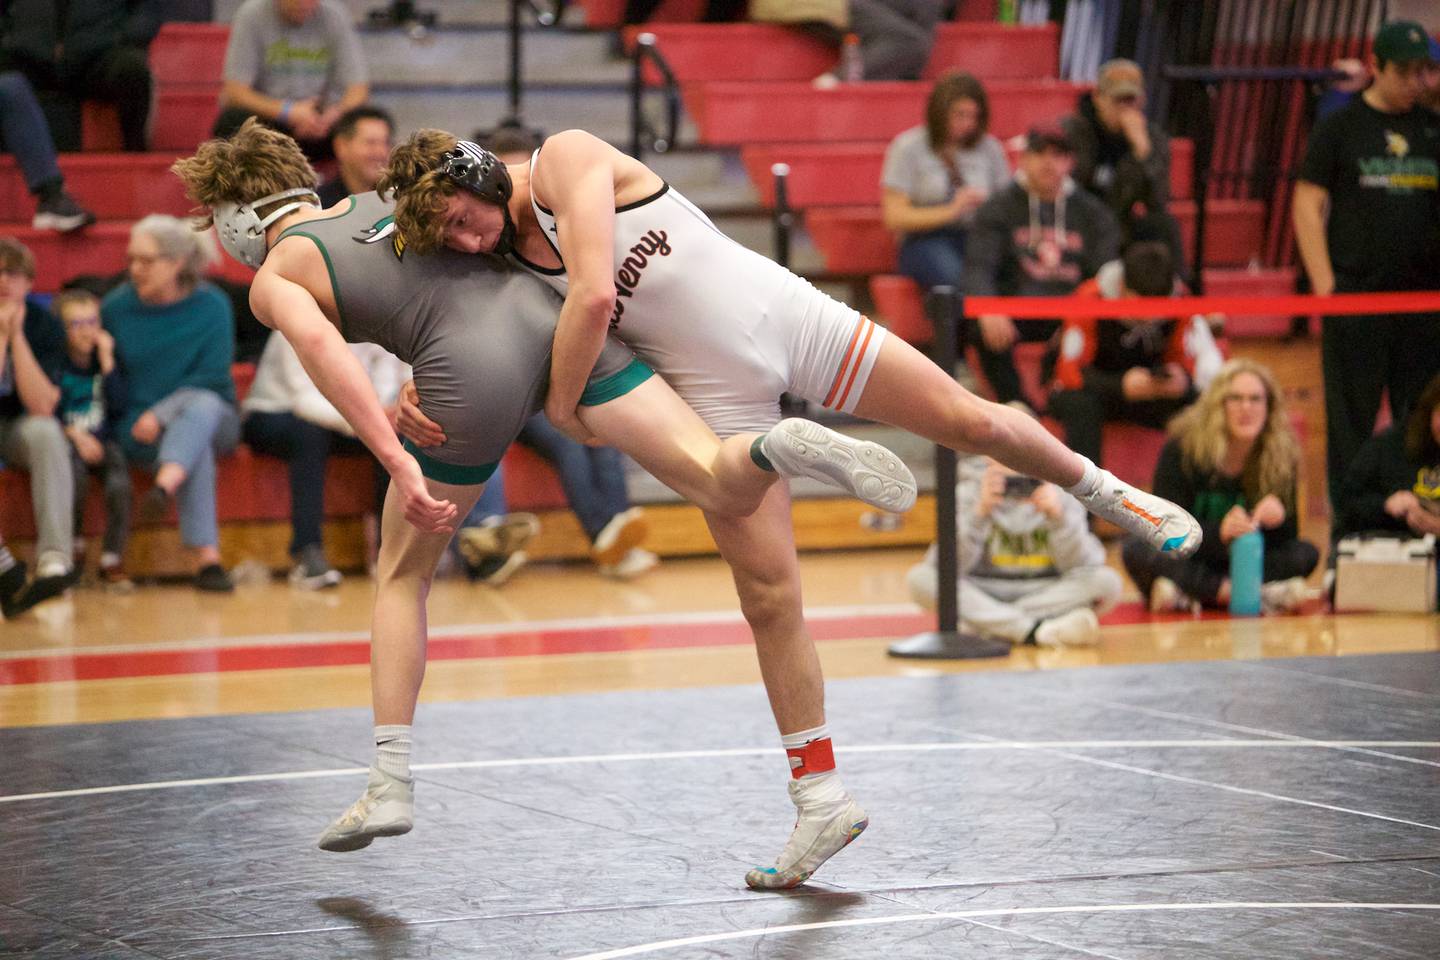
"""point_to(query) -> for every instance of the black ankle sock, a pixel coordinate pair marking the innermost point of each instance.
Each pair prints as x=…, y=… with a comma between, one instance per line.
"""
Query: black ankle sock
x=757, y=454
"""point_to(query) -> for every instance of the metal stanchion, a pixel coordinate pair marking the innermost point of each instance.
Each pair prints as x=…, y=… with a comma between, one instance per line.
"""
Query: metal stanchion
x=946, y=642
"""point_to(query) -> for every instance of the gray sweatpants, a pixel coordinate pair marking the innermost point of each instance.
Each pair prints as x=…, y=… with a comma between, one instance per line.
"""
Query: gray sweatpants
x=1009, y=609
x=38, y=445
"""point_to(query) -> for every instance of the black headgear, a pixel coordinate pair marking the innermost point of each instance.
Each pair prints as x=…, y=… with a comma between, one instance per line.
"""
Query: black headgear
x=478, y=170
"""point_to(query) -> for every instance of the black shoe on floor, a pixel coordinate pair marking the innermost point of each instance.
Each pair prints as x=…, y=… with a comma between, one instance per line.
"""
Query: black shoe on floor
x=12, y=589
x=61, y=213
x=40, y=590
x=213, y=579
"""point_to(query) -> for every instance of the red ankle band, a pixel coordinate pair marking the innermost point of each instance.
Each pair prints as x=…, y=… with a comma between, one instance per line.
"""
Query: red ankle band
x=817, y=756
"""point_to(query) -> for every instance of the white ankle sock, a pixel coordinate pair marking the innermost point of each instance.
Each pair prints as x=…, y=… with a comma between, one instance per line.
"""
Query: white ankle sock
x=392, y=749
x=1089, y=480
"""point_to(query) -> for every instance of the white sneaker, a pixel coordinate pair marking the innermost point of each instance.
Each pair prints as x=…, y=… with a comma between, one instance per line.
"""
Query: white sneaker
x=827, y=820
x=503, y=534
x=1157, y=521
x=803, y=448
x=625, y=531
x=1074, y=628
x=1285, y=596
x=386, y=809
x=1167, y=597
x=634, y=563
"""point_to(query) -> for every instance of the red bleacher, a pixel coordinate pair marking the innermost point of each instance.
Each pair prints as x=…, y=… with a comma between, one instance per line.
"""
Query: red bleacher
x=843, y=174
x=758, y=52
x=732, y=113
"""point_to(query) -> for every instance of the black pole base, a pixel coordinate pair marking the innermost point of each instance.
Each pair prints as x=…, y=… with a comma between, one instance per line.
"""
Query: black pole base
x=938, y=645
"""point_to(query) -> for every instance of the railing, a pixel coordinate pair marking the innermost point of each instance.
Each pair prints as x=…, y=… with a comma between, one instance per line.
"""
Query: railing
x=1210, y=79
x=643, y=136
x=546, y=15
x=783, y=218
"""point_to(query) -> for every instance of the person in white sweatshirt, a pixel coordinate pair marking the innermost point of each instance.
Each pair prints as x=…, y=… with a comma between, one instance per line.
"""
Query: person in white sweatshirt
x=286, y=416
x=1030, y=570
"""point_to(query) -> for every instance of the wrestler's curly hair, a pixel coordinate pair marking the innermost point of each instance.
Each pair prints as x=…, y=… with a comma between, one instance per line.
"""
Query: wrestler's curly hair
x=420, y=189
x=254, y=162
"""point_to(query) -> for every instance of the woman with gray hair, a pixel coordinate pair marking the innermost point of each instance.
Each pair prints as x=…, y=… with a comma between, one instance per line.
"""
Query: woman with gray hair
x=174, y=343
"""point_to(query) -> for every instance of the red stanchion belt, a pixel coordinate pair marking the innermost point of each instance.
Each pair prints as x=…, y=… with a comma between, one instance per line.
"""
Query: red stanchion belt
x=1340, y=304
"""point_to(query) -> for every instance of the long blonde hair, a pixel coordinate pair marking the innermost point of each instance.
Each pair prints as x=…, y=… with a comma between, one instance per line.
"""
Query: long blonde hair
x=1273, y=462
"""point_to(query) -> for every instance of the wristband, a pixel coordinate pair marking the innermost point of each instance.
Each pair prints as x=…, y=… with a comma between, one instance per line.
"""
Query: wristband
x=285, y=109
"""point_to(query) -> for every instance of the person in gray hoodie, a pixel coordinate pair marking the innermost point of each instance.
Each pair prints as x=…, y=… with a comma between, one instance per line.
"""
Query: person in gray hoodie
x=1030, y=570
x=1039, y=237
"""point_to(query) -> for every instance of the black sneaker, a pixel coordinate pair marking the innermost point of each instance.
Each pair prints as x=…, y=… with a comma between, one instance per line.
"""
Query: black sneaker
x=12, y=586
x=61, y=213
x=40, y=590
x=212, y=578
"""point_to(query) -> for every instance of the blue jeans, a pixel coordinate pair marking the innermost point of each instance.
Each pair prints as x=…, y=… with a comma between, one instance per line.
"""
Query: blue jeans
x=25, y=132
x=593, y=478
x=934, y=259
x=198, y=425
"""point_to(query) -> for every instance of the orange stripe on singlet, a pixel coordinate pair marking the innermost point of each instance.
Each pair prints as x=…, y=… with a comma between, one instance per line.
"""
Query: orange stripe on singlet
x=859, y=362
x=849, y=352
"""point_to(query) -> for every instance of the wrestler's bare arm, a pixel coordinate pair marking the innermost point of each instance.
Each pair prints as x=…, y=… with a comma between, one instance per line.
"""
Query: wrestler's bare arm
x=577, y=181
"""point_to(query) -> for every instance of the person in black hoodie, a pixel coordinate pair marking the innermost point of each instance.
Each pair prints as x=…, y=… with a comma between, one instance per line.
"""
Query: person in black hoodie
x=1038, y=237
x=1124, y=159
x=85, y=50
x=1393, y=484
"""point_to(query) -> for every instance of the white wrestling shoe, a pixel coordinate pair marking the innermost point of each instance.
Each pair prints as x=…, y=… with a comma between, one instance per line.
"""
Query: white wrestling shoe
x=827, y=821
x=1157, y=521
x=803, y=448
x=386, y=809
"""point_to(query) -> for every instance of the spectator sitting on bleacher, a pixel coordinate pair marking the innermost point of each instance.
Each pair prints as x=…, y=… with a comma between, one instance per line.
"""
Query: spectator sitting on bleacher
x=1030, y=570
x=1233, y=461
x=895, y=36
x=1038, y=237
x=1124, y=159
x=1393, y=484
x=25, y=133
x=937, y=175
x=85, y=50
x=174, y=343
x=91, y=391
x=285, y=415
x=295, y=64
x=32, y=352
x=362, y=144
x=1136, y=370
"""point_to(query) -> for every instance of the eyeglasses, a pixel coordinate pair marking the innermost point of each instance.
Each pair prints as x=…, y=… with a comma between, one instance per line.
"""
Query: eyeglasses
x=1236, y=399
x=81, y=322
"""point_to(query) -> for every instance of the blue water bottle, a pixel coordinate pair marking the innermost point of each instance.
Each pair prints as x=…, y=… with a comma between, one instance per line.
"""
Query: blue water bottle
x=1247, y=563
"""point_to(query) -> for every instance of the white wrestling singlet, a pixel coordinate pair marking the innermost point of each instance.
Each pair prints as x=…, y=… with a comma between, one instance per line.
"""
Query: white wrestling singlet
x=729, y=329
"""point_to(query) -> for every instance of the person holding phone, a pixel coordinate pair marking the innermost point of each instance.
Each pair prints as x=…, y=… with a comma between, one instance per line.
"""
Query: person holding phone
x=1030, y=570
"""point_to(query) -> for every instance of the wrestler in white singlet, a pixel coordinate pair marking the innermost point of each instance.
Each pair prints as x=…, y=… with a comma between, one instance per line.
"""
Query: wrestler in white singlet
x=729, y=329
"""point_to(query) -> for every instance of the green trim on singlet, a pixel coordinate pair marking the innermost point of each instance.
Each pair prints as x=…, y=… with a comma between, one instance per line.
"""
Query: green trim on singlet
x=299, y=231
x=616, y=385
x=452, y=473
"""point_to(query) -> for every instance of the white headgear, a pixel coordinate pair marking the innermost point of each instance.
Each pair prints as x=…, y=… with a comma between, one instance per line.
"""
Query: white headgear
x=241, y=229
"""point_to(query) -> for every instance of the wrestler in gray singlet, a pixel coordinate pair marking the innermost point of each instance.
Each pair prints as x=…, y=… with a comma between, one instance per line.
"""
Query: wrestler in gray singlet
x=477, y=334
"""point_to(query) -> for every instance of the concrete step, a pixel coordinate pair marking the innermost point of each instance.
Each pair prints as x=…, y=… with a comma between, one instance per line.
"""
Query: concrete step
x=481, y=55
x=602, y=110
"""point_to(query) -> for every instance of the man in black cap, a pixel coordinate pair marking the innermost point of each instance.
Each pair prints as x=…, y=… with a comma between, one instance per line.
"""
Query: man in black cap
x=1039, y=237
x=1375, y=166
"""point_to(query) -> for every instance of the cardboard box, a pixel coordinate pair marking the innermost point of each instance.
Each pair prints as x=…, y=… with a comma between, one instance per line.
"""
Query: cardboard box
x=1385, y=575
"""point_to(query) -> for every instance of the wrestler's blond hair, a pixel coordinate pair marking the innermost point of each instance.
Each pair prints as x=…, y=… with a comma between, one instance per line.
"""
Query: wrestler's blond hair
x=253, y=163
x=420, y=189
